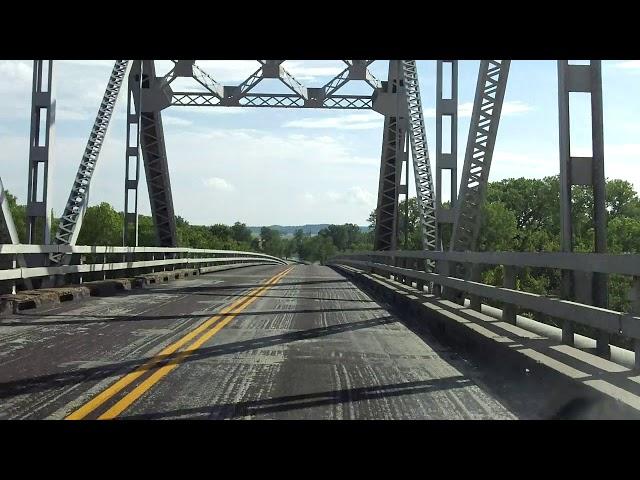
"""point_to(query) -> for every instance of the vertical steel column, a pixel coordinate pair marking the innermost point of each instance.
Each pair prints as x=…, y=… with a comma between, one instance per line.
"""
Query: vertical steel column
x=154, y=156
x=587, y=171
x=509, y=311
x=393, y=155
x=43, y=112
x=132, y=156
x=446, y=106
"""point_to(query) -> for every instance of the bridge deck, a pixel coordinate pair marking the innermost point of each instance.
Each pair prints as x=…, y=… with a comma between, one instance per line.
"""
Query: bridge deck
x=312, y=346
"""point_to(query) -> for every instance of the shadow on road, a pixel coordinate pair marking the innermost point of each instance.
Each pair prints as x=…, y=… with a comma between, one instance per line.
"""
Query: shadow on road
x=140, y=318
x=93, y=374
x=308, y=400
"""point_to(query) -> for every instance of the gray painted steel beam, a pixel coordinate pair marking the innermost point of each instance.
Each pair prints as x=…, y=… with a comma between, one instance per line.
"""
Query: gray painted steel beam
x=71, y=219
x=420, y=150
x=587, y=171
x=316, y=99
x=204, y=79
x=43, y=108
x=446, y=107
x=389, y=102
x=156, y=167
x=132, y=156
x=483, y=128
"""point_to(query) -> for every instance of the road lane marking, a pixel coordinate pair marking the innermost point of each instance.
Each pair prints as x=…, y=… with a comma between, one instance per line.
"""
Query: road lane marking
x=108, y=393
x=150, y=381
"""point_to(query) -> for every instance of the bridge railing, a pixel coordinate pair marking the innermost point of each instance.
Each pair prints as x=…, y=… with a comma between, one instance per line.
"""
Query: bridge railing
x=20, y=263
x=410, y=266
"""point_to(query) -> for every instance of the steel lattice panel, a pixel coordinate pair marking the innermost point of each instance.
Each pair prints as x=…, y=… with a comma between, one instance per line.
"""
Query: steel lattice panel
x=490, y=90
x=71, y=219
x=157, y=171
x=421, y=164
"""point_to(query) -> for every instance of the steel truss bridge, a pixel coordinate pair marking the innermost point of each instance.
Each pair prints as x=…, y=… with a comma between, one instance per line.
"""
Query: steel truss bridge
x=445, y=276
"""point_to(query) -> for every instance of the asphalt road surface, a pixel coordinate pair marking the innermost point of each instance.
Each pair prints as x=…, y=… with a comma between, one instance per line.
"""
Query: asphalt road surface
x=268, y=342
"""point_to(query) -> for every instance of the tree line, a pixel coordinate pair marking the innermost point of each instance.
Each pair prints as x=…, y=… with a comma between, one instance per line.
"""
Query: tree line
x=519, y=215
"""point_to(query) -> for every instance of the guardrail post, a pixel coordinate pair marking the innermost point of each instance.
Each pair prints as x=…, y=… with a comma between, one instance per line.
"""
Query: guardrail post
x=585, y=291
x=104, y=262
x=475, y=269
x=437, y=288
x=450, y=267
x=634, y=297
x=418, y=266
x=388, y=261
x=566, y=289
x=14, y=264
x=509, y=281
x=81, y=262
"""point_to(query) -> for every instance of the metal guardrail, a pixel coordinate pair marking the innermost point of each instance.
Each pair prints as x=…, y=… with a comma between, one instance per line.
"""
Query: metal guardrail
x=409, y=266
x=109, y=259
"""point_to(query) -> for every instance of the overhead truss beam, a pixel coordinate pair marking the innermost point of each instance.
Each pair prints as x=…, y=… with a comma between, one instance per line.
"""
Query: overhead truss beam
x=242, y=95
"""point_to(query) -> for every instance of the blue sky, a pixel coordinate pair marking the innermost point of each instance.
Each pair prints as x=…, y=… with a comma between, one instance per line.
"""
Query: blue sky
x=296, y=166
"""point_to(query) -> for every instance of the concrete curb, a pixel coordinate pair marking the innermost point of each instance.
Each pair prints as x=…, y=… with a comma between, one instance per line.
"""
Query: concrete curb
x=30, y=299
x=565, y=373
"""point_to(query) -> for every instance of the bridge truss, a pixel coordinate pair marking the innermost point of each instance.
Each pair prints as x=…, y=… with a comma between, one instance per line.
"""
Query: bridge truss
x=398, y=99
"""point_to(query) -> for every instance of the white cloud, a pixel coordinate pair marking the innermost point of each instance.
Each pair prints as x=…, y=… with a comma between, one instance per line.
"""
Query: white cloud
x=274, y=148
x=354, y=195
x=89, y=63
x=171, y=120
x=234, y=71
x=622, y=150
x=629, y=65
x=508, y=108
x=308, y=72
x=228, y=70
x=15, y=74
x=213, y=110
x=221, y=184
x=465, y=109
x=354, y=121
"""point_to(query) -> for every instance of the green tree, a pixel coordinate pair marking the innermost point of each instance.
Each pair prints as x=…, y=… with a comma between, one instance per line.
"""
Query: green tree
x=19, y=214
x=101, y=225
x=240, y=232
x=271, y=241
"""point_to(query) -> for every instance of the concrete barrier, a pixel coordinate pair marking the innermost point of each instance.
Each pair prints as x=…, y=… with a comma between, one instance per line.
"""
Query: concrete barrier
x=563, y=373
x=28, y=299
x=104, y=288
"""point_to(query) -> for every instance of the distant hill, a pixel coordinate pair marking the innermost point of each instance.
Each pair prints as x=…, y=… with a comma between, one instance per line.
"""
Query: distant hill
x=290, y=230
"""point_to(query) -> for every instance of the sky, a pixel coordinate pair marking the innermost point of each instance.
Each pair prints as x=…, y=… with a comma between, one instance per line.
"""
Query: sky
x=297, y=166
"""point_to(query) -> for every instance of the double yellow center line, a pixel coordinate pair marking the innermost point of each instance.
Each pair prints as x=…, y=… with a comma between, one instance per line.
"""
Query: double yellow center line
x=206, y=330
